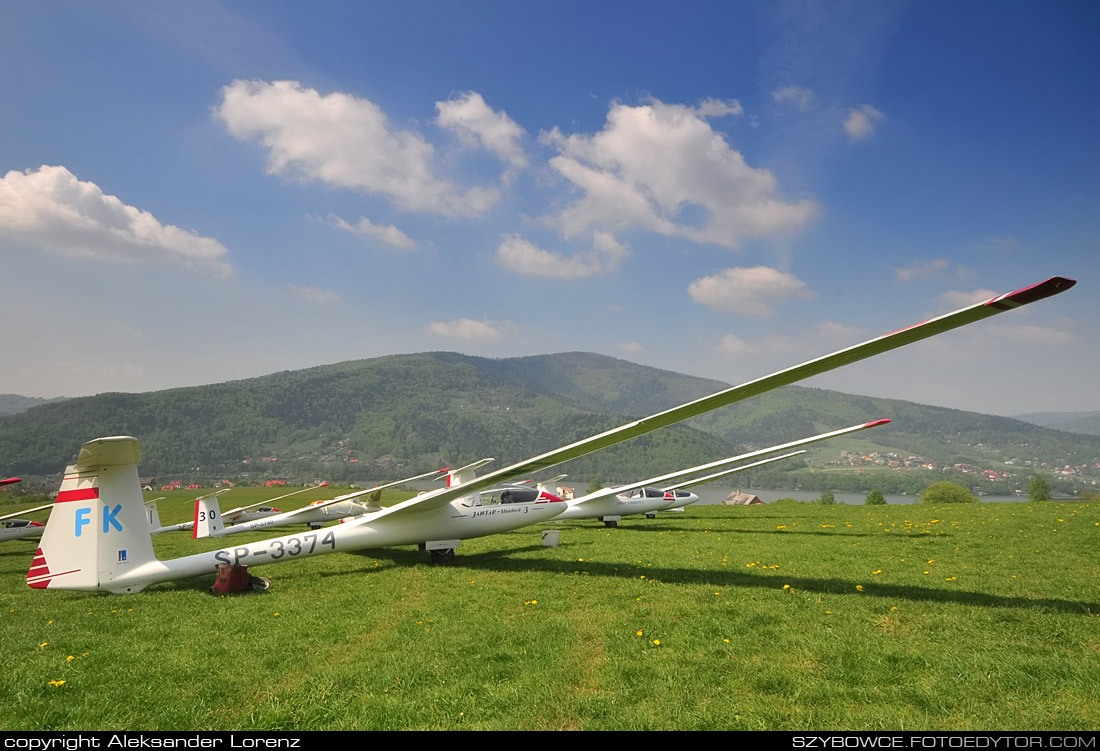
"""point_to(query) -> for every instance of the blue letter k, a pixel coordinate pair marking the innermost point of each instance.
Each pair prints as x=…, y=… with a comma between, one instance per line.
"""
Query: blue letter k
x=110, y=520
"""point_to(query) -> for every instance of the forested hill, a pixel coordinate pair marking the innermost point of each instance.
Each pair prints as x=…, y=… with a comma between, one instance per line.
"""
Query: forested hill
x=393, y=416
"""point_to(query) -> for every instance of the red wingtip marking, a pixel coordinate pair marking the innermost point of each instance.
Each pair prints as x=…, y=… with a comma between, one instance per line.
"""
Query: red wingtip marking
x=877, y=422
x=1052, y=286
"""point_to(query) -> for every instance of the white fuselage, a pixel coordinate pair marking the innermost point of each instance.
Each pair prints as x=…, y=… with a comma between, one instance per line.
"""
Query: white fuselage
x=18, y=529
x=454, y=521
x=640, y=501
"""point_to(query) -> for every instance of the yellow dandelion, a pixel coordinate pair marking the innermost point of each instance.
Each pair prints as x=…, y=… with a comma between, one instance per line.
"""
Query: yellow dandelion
x=43, y=644
x=727, y=641
x=859, y=587
x=786, y=586
x=656, y=642
x=893, y=608
x=877, y=571
x=70, y=657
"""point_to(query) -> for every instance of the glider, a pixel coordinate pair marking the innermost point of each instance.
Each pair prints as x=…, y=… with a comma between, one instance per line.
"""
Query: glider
x=237, y=515
x=209, y=521
x=610, y=504
x=98, y=537
x=17, y=529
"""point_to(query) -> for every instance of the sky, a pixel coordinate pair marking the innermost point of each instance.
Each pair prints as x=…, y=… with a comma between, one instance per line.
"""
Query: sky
x=194, y=192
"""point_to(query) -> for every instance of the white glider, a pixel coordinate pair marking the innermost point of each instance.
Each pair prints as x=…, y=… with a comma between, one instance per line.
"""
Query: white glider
x=609, y=505
x=98, y=538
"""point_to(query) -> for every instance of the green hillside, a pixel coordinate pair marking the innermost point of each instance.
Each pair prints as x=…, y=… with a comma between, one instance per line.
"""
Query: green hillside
x=394, y=416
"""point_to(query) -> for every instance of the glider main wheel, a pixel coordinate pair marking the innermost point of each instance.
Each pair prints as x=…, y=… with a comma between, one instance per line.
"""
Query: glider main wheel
x=445, y=557
x=650, y=516
x=611, y=524
x=259, y=583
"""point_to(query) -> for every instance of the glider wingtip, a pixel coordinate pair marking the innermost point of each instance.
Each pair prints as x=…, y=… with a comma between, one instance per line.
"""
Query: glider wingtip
x=1053, y=286
x=874, y=423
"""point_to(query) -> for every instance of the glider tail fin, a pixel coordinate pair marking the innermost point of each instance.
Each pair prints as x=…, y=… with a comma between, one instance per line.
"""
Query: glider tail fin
x=98, y=530
x=208, y=517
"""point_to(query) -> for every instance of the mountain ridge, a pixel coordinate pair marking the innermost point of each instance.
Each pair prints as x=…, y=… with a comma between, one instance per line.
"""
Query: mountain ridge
x=395, y=415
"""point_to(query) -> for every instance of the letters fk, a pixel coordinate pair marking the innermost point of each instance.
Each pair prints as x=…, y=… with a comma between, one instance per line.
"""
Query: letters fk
x=110, y=518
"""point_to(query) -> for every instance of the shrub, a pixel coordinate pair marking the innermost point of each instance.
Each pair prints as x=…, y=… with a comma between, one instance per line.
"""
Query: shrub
x=827, y=498
x=947, y=492
x=875, y=498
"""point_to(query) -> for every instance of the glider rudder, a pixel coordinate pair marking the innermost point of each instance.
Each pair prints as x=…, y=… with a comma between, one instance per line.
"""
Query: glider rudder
x=98, y=529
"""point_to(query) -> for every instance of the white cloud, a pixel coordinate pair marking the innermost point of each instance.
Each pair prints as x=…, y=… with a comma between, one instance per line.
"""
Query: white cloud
x=1029, y=334
x=711, y=107
x=49, y=208
x=956, y=299
x=388, y=234
x=522, y=257
x=651, y=163
x=731, y=344
x=823, y=335
x=632, y=347
x=750, y=291
x=800, y=97
x=343, y=141
x=476, y=123
x=315, y=295
x=861, y=123
x=922, y=269
x=468, y=330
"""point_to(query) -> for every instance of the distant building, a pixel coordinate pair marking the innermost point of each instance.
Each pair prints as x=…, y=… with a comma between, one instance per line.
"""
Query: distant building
x=737, y=498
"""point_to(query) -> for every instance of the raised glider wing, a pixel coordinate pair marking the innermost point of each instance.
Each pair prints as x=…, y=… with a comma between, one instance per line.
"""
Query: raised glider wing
x=209, y=521
x=98, y=537
x=233, y=516
x=610, y=504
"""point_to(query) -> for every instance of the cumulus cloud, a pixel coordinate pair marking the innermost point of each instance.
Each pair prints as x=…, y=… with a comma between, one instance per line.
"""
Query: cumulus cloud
x=523, y=257
x=477, y=124
x=388, y=234
x=49, y=208
x=800, y=97
x=654, y=164
x=344, y=141
x=861, y=123
x=468, y=330
x=750, y=291
x=315, y=295
x=632, y=347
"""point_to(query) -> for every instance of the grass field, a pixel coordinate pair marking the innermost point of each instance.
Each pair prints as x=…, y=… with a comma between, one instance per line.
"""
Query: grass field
x=786, y=616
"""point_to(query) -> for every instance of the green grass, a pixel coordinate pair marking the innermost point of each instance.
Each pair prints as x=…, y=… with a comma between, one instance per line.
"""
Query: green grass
x=972, y=617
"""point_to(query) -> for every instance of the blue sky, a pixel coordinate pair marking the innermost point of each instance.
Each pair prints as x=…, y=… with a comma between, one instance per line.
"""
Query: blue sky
x=193, y=192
